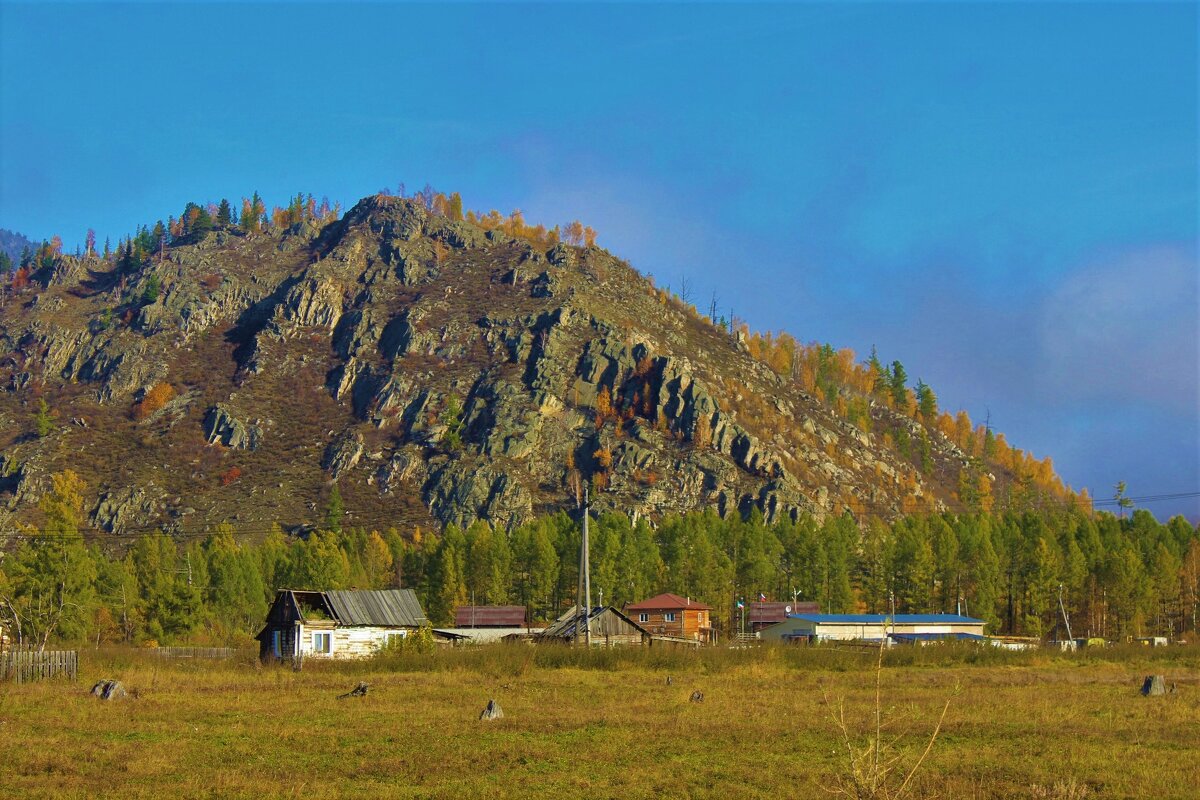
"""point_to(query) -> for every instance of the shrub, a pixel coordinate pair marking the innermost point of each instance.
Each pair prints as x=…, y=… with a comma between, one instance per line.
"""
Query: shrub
x=155, y=398
x=604, y=458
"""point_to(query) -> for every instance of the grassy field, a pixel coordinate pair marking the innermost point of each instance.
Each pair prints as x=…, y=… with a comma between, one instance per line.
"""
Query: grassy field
x=606, y=724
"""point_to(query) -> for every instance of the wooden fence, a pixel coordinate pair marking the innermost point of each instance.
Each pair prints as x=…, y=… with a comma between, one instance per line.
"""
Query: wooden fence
x=196, y=652
x=26, y=664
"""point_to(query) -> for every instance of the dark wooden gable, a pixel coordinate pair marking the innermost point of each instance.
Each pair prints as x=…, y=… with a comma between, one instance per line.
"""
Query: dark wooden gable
x=289, y=607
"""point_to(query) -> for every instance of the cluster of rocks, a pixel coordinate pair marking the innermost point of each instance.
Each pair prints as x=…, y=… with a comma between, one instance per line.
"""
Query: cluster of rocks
x=377, y=300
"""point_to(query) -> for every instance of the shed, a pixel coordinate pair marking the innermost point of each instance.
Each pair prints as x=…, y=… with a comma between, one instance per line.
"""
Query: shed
x=874, y=627
x=609, y=627
x=762, y=614
x=338, y=623
x=487, y=635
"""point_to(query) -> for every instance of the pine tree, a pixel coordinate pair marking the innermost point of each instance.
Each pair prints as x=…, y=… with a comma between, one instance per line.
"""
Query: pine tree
x=150, y=292
x=879, y=376
x=899, y=383
x=926, y=402
x=452, y=419
x=253, y=210
x=224, y=213
x=203, y=221
x=43, y=423
x=334, y=510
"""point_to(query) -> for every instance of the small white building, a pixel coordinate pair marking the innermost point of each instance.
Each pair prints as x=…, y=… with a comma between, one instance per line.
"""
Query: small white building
x=898, y=628
x=338, y=624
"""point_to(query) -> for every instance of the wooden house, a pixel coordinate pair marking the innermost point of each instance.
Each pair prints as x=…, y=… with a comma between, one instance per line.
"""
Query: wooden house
x=337, y=624
x=673, y=616
x=488, y=624
x=609, y=627
x=489, y=617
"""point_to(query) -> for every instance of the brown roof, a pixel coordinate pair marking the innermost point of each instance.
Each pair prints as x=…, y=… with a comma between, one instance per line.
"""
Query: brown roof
x=668, y=602
x=771, y=612
x=603, y=620
x=489, y=617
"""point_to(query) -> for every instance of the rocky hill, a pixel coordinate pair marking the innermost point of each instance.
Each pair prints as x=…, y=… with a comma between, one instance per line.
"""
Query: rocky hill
x=13, y=243
x=433, y=371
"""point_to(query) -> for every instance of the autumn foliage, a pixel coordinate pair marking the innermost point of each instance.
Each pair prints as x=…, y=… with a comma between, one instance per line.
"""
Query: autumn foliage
x=154, y=399
x=849, y=387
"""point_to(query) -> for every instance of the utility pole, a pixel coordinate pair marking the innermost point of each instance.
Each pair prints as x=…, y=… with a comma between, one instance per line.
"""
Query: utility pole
x=587, y=570
x=891, y=618
x=584, y=598
x=1063, y=609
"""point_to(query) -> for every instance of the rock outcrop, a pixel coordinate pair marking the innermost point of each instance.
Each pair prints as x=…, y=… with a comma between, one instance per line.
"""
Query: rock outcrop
x=221, y=427
x=440, y=373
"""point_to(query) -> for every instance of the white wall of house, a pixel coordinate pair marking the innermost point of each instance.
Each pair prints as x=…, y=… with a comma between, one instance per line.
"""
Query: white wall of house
x=793, y=628
x=325, y=640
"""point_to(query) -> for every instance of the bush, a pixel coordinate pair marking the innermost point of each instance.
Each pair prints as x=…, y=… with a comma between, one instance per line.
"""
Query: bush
x=154, y=399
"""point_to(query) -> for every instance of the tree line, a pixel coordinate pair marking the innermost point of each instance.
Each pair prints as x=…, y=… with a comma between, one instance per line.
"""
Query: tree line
x=1115, y=577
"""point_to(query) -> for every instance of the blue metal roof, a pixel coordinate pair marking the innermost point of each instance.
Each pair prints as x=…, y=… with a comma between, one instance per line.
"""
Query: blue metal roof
x=882, y=619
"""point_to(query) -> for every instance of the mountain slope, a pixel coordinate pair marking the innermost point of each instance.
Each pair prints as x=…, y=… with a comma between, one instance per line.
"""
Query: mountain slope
x=13, y=243
x=434, y=371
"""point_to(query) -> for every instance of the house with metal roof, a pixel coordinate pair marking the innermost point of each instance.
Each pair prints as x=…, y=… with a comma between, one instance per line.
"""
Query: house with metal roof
x=669, y=615
x=338, y=623
x=898, y=628
x=608, y=626
x=764, y=613
x=489, y=617
x=488, y=624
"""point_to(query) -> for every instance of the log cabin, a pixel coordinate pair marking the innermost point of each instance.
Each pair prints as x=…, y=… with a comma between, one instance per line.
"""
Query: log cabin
x=673, y=616
x=337, y=624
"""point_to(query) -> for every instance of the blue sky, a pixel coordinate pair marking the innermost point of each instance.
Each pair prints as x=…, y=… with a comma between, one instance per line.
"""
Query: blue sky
x=1001, y=196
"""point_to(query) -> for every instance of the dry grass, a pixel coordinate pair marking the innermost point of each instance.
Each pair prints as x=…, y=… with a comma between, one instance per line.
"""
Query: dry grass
x=606, y=724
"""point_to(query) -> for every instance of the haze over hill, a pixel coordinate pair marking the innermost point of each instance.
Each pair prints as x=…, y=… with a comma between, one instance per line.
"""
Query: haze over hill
x=438, y=369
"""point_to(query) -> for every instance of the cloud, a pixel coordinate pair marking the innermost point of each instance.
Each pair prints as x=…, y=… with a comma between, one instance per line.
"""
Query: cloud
x=1124, y=329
